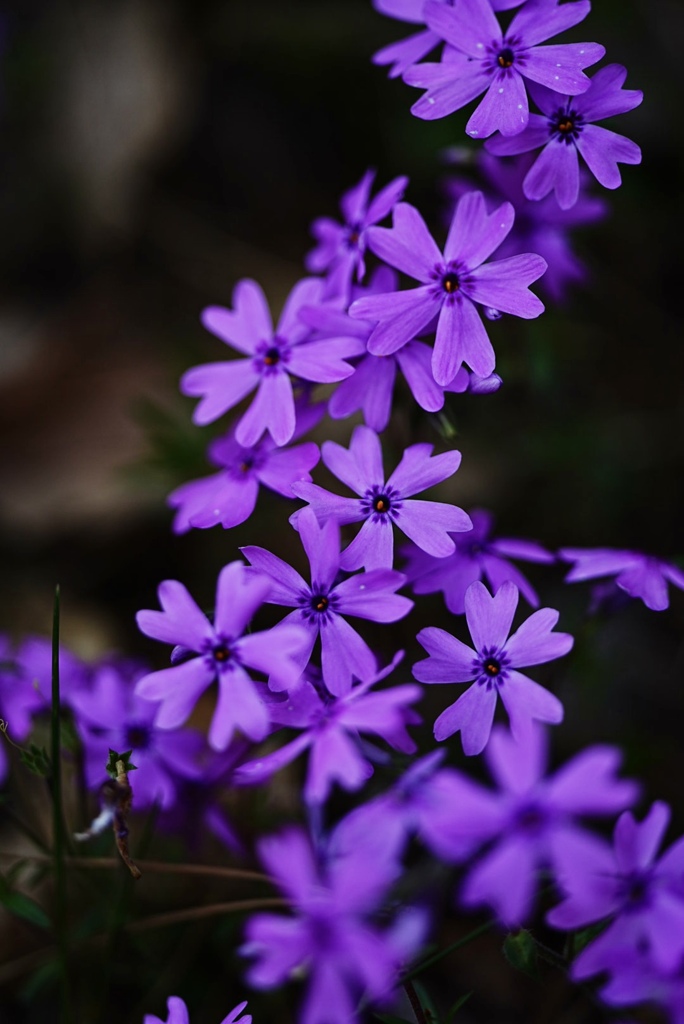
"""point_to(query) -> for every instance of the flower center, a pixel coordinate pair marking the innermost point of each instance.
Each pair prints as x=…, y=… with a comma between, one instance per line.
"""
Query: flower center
x=382, y=503
x=138, y=737
x=451, y=283
x=271, y=356
x=565, y=125
x=222, y=653
x=492, y=667
x=505, y=58
x=319, y=602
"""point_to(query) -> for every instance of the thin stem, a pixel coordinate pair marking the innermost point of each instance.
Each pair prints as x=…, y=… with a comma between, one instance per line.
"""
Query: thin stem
x=413, y=999
x=58, y=830
x=149, y=866
x=197, y=913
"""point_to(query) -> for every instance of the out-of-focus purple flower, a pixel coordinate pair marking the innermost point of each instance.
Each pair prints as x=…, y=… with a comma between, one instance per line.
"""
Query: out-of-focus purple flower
x=540, y=226
x=484, y=59
x=637, y=574
x=409, y=51
x=19, y=700
x=229, y=497
x=109, y=715
x=34, y=657
x=477, y=554
x=273, y=356
x=345, y=954
x=643, y=895
x=494, y=666
x=451, y=285
x=567, y=129
x=384, y=502
x=331, y=731
x=530, y=821
x=178, y=1014
x=224, y=652
x=321, y=605
x=635, y=979
x=341, y=248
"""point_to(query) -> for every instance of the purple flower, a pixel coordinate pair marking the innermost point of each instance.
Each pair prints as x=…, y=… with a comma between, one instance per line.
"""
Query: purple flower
x=477, y=554
x=224, y=652
x=19, y=701
x=494, y=666
x=567, y=129
x=229, y=497
x=451, y=285
x=273, y=356
x=321, y=605
x=644, y=896
x=178, y=1014
x=637, y=574
x=346, y=955
x=331, y=731
x=408, y=51
x=530, y=821
x=341, y=247
x=484, y=59
x=384, y=502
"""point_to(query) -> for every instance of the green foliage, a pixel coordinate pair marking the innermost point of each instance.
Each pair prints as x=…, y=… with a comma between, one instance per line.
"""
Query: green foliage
x=520, y=950
x=36, y=759
x=22, y=906
x=110, y=767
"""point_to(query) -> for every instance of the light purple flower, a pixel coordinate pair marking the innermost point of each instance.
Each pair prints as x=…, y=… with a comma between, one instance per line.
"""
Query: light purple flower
x=644, y=896
x=178, y=1014
x=483, y=59
x=408, y=51
x=321, y=605
x=637, y=574
x=224, y=652
x=272, y=357
x=384, y=502
x=530, y=821
x=341, y=248
x=494, y=666
x=451, y=285
x=19, y=701
x=567, y=131
x=477, y=555
x=331, y=730
x=345, y=955
x=229, y=497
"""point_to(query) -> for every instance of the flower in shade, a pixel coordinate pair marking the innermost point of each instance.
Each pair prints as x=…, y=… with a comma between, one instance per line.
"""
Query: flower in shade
x=643, y=895
x=320, y=606
x=635, y=979
x=178, y=1014
x=19, y=701
x=273, y=356
x=637, y=574
x=566, y=131
x=224, y=652
x=451, y=285
x=484, y=59
x=341, y=248
x=529, y=822
x=382, y=502
x=408, y=51
x=229, y=497
x=493, y=665
x=345, y=955
x=331, y=729
x=477, y=555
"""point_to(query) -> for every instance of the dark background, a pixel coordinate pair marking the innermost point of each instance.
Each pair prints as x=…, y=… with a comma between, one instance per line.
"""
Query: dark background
x=153, y=153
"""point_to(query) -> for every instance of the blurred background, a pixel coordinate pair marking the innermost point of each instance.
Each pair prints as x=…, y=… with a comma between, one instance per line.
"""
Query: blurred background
x=153, y=152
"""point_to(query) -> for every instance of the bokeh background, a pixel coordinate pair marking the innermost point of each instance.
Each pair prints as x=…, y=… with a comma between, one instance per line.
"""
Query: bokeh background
x=153, y=152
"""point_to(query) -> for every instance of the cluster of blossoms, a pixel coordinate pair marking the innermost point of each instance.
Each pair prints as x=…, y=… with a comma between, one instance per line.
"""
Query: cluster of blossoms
x=315, y=673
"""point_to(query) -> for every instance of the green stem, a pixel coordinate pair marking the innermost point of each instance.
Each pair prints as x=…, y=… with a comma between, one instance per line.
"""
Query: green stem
x=58, y=838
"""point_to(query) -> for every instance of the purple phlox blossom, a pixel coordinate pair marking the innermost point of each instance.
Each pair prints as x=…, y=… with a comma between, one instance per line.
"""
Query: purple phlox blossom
x=528, y=823
x=341, y=248
x=229, y=497
x=109, y=715
x=451, y=285
x=34, y=657
x=566, y=128
x=637, y=574
x=178, y=1014
x=635, y=979
x=320, y=606
x=477, y=555
x=540, y=226
x=273, y=356
x=330, y=937
x=643, y=895
x=381, y=502
x=331, y=728
x=224, y=653
x=493, y=666
x=371, y=386
x=403, y=54
x=20, y=700
x=480, y=58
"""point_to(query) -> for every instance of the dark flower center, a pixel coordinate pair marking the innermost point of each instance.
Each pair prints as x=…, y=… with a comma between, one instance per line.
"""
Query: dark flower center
x=382, y=503
x=319, y=602
x=505, y=58
x=451, y=283
x=138, y=737
x=492, y=666
x=246, y=465
x=222, y=653
x=530, y=819
x=354, y=236
x=565, y=125
x=271, y=356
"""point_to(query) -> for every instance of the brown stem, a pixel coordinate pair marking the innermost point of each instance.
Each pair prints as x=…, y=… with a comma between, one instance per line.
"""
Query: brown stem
x=152, y=866
x=196, y=913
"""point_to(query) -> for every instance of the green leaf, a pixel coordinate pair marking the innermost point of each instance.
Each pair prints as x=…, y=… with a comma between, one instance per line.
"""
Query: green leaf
x=426, y=1002
x=23, y=906
x=36, y=759
x=114, y=757
x=521, y=952
x=461, y=1001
